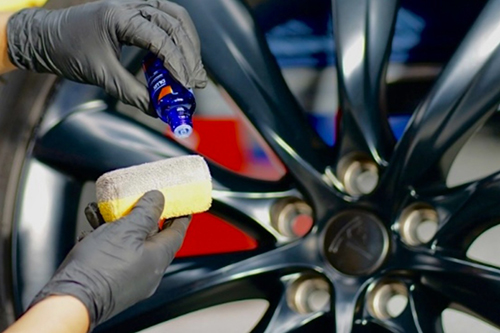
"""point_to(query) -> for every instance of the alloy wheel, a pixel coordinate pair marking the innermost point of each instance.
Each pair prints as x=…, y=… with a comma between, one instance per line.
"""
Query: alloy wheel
x=368, y=196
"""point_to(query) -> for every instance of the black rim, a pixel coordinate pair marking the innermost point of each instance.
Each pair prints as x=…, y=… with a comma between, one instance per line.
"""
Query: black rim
x=82, y=136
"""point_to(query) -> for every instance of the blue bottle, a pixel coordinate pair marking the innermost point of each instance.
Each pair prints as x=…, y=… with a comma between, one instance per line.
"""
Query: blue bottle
x=173, y=103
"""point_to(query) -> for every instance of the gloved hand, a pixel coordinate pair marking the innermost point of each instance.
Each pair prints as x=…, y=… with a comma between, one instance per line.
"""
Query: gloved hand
x=83, y=43
x=119, y=263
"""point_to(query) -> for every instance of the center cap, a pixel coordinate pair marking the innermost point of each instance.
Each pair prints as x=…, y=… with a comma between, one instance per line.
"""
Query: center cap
x=356, y=242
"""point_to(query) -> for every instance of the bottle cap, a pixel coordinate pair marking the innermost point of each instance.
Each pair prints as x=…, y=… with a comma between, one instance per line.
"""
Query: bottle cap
x=183, y=131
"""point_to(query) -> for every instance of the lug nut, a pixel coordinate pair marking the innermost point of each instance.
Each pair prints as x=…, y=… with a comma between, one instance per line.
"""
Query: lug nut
x=309, y=295
x=292, y=217
x=387, y=300
x=418, y=224
x=358, y=174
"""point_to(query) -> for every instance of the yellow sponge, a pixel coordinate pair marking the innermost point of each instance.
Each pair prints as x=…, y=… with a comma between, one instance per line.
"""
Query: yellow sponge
x=184, y=181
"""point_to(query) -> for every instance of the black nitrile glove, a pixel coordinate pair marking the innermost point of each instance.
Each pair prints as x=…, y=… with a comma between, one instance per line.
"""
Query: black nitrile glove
x=83, y=43
x=119, y=263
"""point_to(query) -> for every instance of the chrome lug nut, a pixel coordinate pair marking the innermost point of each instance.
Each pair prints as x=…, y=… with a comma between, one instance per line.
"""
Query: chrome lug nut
x=358, y=174
x=292, y=217
x=418, y=224
x=309, y=295
x=387, y=299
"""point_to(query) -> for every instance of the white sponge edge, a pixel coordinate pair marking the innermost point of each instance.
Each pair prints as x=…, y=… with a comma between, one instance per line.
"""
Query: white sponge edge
x=156, y=175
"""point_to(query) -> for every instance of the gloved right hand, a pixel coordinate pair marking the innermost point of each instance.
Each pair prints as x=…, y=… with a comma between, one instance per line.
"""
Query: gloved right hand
x=83, y=43
x=119, y=263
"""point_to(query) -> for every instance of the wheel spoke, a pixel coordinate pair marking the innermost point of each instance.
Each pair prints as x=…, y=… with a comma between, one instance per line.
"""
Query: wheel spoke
x=425, y=308
x=466, y=212
x=345, y=309
x=468, y=284
x=194, y=283
x=373, y=326
x=363, y=37
x=283, y=319
x=237, y=56
x=465, y=94
x=248, y=210
x=87, y=144
x=422, y=314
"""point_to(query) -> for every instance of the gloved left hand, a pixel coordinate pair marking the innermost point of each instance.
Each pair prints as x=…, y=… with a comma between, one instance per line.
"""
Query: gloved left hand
x=119, y=263
x=83, y=43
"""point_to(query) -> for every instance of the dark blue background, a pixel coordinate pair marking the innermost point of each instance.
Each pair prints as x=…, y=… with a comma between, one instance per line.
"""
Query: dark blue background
x=300, y=33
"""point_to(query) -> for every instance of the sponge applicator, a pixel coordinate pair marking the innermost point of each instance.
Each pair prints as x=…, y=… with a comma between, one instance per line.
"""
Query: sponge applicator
x=184, y=181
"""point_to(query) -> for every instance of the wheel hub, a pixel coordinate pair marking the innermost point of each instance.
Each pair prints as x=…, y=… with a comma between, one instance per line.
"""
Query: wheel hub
x=356, y=242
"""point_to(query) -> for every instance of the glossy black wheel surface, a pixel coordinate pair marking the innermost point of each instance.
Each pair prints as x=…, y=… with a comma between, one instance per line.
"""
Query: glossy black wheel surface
x=362, y=242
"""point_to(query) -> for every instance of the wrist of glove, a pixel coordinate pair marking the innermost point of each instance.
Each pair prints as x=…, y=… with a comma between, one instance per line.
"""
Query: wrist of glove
x=119, y=263
x=83, y=43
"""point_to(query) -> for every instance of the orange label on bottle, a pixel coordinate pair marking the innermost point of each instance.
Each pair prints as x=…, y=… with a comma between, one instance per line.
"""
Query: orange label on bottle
x=164, y=92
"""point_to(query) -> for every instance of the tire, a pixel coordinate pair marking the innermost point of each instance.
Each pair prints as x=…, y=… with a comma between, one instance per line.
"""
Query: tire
x=24, y=96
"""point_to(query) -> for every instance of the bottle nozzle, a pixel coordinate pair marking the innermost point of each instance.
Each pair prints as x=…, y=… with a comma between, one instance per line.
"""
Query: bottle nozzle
x=180, y=121
x=183, y=131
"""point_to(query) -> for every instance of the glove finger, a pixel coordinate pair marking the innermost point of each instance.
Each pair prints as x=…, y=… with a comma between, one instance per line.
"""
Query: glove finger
x=200, y=79
x=174, y=29
x=82, y=235
x=170, y=239
x=121, y=84
x=93, y=215
x=181, y=14
x=144, y=217
x=144, y=34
